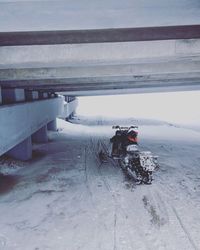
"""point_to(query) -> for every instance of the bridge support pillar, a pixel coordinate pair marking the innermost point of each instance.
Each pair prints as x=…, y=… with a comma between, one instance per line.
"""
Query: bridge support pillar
x=12, y=95
x=52, y=125
x=41, y=135
x=23, y=151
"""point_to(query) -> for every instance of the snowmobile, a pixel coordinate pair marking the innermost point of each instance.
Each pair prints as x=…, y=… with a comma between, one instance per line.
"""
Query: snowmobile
x=139, y=164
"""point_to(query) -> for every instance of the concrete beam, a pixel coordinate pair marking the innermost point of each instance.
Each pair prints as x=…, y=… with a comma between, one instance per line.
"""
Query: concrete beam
x=99, y=35
x=91, y=77
x=40, y=136
x=12, y=95
x=117, y=82
x=102, y=66
x=136, y=90
x=154, y=67
x=22, y=151
x=19, y=121
x=100, y=53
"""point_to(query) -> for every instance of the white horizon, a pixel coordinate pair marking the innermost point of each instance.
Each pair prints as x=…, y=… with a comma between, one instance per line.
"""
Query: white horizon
x=174, y=107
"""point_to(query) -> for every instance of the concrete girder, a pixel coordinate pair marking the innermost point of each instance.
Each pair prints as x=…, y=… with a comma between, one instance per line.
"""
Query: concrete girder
x=102, y=66
x=191, y=65
x=21, y=38
x=115, y=82
x=99, y=53
x=111, y=76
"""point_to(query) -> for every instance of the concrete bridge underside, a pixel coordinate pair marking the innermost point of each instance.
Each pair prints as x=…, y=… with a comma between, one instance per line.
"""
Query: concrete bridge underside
x=162, y=59
x=88, y=48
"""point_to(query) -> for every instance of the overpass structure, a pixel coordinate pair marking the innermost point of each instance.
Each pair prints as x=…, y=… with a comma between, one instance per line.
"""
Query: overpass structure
x=97, y=48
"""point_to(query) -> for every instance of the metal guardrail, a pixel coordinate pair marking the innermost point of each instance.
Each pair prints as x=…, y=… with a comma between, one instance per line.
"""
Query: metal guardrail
x=99, y=35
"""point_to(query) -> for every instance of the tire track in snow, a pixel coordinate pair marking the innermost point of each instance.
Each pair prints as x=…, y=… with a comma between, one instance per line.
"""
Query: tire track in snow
x=107, y=187
x=170, y=207
x=122, y=212
x=185, y=229
x=161, y=221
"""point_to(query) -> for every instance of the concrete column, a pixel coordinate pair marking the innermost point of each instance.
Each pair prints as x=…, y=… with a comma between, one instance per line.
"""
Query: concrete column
x=41, y=135
x=31, y=95
x=22, y=151
x=12, y=95
x=52, y=125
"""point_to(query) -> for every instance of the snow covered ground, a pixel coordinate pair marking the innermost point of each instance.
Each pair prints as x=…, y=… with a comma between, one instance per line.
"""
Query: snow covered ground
x=64, y=199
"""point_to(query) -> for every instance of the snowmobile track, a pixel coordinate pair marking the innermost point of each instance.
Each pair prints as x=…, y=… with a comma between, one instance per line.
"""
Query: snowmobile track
x=171, y=207
x=117, y=205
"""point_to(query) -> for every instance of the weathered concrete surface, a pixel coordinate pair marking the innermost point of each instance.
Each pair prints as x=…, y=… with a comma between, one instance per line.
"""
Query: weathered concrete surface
x=99, y=35
x=19, y=121
x=91, y=68
x=99, y=53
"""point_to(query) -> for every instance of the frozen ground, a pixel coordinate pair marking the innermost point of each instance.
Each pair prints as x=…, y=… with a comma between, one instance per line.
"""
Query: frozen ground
x=65, y=200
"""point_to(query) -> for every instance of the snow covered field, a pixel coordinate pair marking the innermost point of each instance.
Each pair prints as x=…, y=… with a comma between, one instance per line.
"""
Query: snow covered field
x=64, y=199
